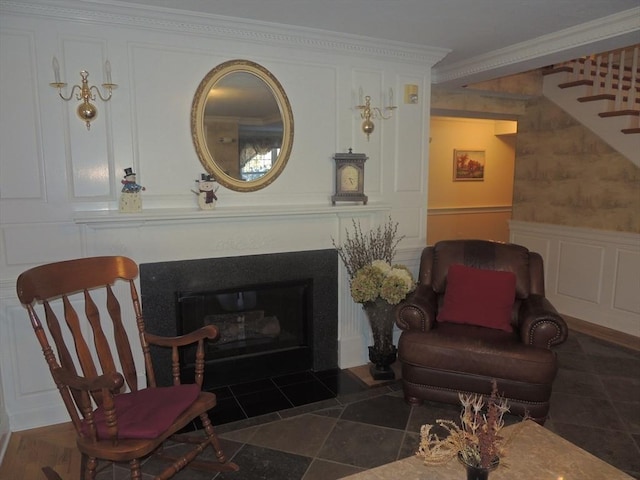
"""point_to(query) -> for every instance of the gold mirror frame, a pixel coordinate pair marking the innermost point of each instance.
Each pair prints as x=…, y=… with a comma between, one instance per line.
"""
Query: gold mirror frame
x=198, y=132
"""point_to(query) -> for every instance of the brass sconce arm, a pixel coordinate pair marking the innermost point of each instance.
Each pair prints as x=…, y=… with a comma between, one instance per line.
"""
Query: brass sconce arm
x=369, y=113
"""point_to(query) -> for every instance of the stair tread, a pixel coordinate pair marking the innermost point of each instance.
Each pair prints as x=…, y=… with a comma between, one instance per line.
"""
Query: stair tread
x=620, y=113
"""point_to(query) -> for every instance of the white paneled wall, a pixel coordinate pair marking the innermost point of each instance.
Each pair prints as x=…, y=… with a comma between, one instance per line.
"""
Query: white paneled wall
x=592, y=275
x=59, y=183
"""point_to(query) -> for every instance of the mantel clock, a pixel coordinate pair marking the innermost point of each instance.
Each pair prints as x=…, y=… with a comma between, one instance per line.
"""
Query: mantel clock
x=349, y=178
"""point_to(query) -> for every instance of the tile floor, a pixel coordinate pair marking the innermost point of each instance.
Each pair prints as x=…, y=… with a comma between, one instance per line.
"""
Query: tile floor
x=324, y=426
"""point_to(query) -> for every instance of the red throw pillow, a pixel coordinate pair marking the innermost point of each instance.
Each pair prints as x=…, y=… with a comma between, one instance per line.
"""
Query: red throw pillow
x=479, y=297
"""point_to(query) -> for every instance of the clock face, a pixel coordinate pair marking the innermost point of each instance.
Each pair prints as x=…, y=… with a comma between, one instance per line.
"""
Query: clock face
x=349, y=179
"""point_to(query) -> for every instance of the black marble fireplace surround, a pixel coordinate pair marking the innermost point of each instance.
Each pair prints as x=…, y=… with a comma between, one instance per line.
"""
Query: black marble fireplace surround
x=160, y=284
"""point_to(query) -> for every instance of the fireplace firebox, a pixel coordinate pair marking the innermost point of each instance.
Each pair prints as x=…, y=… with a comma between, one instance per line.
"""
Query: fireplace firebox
x=270, y=321
x=277, y=313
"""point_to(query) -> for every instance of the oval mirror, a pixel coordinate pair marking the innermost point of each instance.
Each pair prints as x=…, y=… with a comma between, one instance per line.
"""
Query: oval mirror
x=242, y=125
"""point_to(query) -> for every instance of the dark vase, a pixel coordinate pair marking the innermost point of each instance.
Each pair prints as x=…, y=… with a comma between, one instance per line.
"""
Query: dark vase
x=479, y=473
x=383, y=352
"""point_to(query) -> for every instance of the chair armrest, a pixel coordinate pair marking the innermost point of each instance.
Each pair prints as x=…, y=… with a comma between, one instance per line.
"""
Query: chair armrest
x=418, y=310
x=208, y=331
x=109, y=381
x=540, y=324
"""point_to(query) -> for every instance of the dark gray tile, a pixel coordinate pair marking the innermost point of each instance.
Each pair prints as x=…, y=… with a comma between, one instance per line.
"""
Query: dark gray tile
x=351, y=443
x=385, y=411
x=302, y=435
x=429, y=412
x=615, y=366
x=325, y=470
x=342, y=383
x=263, y=402
x=574, y=361
x=578, y=383
x=310, y=408
x=614, y=447
x=307, y=392
x=410, y=445
x=629, y=413
x=259, y=463
x=572, y=344
x=249, y=422
x=333, y=412
x=622, y=388
x=349, y=398
x=584, y=411
x=599, y=348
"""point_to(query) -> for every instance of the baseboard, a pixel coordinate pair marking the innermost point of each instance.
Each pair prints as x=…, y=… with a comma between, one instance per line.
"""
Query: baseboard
x=603, y=333
x=5, y=436
x=4, y=443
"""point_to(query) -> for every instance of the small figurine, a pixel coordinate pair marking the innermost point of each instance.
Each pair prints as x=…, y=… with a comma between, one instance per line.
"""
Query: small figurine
x=207, y=189
x=130, y=200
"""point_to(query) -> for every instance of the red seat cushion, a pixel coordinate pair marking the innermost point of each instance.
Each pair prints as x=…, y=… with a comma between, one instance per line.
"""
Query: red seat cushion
x=479, y=297
x=147, y=413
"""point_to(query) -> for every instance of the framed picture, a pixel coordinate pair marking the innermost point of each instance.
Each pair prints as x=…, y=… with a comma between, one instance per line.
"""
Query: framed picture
x=468, y=165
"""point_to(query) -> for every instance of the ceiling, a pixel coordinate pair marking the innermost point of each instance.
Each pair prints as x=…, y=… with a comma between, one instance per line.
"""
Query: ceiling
x=469, y=29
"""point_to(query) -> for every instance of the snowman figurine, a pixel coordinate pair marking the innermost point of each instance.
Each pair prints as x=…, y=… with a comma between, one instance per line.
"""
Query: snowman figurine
x=130, y=199
x=207, y=189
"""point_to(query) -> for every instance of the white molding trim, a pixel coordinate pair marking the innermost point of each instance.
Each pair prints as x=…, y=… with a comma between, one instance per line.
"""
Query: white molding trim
x=174, y=20
x=621, y=24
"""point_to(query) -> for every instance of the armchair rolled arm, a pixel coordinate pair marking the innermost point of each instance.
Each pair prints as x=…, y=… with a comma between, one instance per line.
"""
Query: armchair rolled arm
x=540, y=324
x=208, y=331
x=418, y=310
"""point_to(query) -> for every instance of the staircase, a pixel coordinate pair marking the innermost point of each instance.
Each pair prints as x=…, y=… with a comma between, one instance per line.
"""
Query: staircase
x=603, y=93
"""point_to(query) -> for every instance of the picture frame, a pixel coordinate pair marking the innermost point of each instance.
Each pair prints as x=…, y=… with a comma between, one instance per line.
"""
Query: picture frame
x=468, y=165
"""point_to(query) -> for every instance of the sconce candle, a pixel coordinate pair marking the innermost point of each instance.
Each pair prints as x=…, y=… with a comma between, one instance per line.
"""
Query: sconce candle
x=107, y=69
x=56, y=70
x=86, y=110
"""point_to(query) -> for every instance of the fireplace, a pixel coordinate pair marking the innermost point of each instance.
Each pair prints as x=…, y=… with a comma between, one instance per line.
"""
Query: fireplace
x=277, y=313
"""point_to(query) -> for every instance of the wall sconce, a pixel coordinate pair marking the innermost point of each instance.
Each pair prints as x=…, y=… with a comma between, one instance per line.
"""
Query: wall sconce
x=368, y=112
x=86, y=110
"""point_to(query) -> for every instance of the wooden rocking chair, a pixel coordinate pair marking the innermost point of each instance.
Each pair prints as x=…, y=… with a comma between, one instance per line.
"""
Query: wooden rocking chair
x=115, y=420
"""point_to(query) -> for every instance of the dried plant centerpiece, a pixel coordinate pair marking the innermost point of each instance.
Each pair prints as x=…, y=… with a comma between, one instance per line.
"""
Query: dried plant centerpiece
x=377, y=284
x=476, y=441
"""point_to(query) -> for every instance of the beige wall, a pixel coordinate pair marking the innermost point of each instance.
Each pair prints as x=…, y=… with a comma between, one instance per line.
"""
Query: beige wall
x=470, y=209
x=566, y=175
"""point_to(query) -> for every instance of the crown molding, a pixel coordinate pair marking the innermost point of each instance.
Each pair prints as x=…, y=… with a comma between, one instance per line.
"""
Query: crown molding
x=614, y=31
x=264, y=33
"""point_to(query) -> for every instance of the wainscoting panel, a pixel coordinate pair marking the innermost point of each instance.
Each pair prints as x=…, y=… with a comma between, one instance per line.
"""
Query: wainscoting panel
x=580, y=269
x=593, y=275
x=625, y=295
x=25, y=151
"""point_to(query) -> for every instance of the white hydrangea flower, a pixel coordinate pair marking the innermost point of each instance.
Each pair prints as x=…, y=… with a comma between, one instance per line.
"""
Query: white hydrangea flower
x=381, y=265
x=404, y=275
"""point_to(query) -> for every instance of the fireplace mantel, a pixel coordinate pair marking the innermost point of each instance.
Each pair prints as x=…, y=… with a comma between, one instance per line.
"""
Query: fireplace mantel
x=107, y=218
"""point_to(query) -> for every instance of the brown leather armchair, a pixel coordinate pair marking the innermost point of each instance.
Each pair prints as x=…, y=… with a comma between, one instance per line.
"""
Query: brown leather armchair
x=440, y=359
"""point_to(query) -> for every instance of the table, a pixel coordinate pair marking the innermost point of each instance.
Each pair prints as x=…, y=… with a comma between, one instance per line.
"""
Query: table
x=532, y=453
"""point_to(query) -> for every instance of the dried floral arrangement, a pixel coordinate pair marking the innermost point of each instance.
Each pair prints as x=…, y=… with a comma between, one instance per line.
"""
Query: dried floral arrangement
x=368, y=258
x=476, y=440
